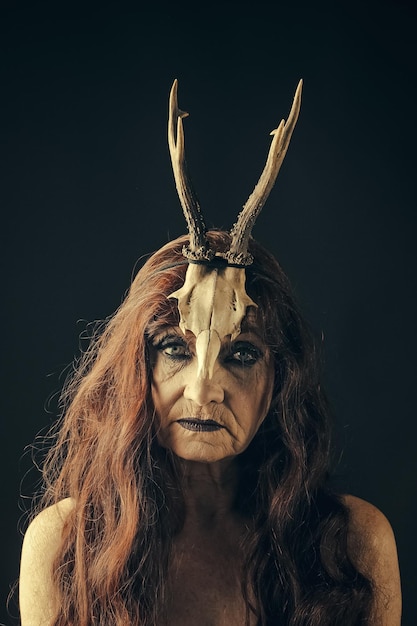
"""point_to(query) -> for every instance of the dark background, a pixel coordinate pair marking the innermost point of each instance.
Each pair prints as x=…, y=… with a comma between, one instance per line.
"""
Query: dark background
x=88, y=189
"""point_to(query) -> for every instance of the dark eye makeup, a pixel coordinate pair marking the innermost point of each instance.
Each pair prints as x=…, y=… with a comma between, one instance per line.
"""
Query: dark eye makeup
x=243, y=353
x=173, y=346
x=239, y=353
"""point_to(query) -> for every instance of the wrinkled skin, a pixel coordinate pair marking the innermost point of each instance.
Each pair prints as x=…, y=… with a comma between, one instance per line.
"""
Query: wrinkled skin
x=210, y=418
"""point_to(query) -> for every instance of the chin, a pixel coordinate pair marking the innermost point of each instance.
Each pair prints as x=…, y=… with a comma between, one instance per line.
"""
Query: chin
x=201, y=452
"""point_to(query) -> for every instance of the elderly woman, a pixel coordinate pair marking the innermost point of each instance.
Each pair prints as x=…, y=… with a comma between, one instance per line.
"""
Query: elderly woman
x=188, y=479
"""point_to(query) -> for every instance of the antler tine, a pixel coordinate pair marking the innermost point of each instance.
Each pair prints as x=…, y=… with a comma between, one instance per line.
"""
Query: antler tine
x=241, y=231
x=198, y=248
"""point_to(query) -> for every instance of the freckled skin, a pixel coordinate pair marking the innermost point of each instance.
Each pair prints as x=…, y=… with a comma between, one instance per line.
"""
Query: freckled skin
x=237, y=396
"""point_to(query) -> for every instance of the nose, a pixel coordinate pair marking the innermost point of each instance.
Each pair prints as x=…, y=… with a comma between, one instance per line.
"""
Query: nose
x=202, y=390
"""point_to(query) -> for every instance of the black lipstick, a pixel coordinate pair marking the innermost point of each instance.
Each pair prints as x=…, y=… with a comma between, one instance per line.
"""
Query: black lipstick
x=199, y=425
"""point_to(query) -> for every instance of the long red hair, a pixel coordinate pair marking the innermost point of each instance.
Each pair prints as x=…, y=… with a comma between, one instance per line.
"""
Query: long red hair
x=127, y=505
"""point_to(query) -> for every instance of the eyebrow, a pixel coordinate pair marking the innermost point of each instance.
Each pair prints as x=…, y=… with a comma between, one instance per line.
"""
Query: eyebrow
x=165, y=331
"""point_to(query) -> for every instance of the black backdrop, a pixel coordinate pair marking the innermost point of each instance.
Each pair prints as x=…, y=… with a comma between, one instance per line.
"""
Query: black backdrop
x=88, y=189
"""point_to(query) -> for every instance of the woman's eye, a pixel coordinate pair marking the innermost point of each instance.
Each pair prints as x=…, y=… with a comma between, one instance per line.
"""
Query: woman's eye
x=245, y=354
x=173, y=348
x=176, y=351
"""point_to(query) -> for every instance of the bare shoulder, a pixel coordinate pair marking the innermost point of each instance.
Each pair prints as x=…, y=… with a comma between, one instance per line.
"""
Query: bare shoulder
x=40, y=545
x=43, y=535
x=372, y=548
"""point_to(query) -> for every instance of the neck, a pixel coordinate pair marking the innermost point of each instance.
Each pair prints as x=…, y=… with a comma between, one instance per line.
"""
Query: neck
x=209, y=490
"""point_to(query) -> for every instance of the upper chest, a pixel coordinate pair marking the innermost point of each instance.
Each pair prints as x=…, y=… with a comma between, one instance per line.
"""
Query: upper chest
x=204, y=580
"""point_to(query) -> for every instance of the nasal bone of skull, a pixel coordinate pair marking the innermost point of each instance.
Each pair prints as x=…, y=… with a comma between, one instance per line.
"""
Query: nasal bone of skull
x=207, y=346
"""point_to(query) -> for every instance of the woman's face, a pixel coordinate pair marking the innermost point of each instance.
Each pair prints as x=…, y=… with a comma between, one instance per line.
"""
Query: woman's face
x=204, y=419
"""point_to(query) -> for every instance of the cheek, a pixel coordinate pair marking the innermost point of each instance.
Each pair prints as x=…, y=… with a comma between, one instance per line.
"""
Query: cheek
x=264, y=388
x=267, y=395
x=155, y=397
x=160, y=398
x=164, y=388
x=161, y=401
x=161, y=405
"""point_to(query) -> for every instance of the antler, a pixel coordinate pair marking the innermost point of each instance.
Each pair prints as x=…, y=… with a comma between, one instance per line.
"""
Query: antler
x=198, y=248
x=238, y=252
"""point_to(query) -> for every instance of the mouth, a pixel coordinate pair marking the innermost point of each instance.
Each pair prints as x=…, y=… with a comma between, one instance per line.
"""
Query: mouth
x=199, y=425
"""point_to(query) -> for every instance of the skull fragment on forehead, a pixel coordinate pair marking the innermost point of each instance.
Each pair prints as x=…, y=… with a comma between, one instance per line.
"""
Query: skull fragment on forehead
x=212, y=304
